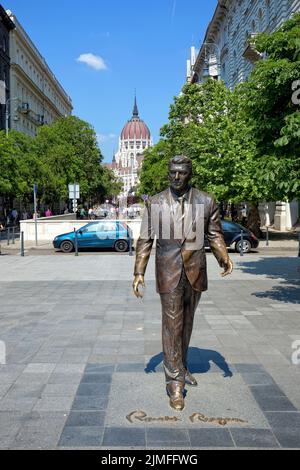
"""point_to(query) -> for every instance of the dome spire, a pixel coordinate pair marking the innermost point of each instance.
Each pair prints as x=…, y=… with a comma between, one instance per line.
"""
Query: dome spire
x=135, y=113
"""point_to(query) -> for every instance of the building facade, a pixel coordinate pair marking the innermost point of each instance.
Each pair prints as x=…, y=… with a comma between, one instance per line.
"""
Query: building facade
x=135, y=138
x=226, y=51
x=6, y=25
x=227, y=54
x=37, y=97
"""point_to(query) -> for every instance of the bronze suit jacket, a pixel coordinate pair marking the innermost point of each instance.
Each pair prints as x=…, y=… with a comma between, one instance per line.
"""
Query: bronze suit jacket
x=172, y=254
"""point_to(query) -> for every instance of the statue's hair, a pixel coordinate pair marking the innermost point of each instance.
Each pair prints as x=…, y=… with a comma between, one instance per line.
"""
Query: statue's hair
x=181, y=160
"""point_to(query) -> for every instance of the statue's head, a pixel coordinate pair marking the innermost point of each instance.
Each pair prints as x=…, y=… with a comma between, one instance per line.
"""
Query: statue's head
x=180, y=173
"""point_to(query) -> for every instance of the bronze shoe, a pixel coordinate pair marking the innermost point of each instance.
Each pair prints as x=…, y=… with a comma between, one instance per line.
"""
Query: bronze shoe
x=175, y=392
x=190, y=379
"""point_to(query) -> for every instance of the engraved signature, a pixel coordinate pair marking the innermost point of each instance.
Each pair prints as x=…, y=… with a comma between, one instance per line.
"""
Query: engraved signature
x=142, y=416
x=221, y=421
x=139, y=415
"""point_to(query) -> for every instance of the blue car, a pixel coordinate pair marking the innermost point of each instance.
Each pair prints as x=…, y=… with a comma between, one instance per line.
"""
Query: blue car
x=100, y=234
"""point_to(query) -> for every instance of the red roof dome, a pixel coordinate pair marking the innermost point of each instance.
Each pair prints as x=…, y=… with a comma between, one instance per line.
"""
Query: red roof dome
x=135, y=128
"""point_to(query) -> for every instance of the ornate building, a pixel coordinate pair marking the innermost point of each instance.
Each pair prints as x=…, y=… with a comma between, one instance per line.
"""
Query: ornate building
x=226, y=51
x=6, y=25
x=37, y=97
x=135, y=138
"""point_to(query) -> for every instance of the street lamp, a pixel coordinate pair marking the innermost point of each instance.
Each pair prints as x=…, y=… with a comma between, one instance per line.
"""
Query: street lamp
x=7, y=114
x=206, y=73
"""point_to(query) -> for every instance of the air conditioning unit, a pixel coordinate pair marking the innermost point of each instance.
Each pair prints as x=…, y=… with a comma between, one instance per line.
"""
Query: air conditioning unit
x=25, y=108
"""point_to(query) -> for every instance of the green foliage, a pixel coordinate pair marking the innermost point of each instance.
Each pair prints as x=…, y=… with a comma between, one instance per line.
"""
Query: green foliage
x=271, y=114
x=62, y=153
x=19, y=165
x=205, y=124
x=154, y=177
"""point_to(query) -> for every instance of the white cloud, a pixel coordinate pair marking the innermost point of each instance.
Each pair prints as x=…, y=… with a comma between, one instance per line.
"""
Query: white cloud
x=105, y=137
x=92, y=60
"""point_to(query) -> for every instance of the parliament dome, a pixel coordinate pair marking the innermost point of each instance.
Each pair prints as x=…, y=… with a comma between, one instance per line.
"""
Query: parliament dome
x=135, y=129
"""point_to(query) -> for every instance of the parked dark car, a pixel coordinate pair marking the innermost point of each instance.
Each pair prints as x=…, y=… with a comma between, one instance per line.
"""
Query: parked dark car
x=100, y=234
x=232, y=235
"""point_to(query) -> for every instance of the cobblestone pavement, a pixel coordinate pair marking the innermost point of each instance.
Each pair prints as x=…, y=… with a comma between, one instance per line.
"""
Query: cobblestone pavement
x=83, y=357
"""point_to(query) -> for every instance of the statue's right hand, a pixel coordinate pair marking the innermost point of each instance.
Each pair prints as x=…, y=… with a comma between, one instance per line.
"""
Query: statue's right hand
x=138, y=281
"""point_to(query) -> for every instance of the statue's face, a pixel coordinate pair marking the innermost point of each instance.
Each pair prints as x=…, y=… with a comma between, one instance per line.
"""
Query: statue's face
x=179, y=177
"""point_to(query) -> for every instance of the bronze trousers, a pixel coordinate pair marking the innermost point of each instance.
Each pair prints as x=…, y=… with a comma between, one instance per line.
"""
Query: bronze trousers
x=178, y=310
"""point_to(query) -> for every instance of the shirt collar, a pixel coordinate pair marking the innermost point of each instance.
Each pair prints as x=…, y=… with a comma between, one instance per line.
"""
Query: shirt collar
x=185, y=196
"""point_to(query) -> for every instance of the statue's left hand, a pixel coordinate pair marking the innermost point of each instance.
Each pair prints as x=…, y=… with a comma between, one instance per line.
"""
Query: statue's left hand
x=228, y=267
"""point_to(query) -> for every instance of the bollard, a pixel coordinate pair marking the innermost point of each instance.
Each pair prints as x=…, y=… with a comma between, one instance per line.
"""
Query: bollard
x=267, y=237
x=8, y=235
x=13, y=235
x=0, y=241
x=76, y=242
x=299, y=245
x=242, y=243
x=22, y=244
x=130, y=246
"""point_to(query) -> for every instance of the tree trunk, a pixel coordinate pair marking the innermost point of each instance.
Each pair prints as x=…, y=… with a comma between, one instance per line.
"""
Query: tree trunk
x=254, y=221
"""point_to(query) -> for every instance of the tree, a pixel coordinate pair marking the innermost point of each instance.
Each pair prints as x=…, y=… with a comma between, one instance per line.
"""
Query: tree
x=20, y=167
x=272, y=115
x=69, y=151
x=206, y=124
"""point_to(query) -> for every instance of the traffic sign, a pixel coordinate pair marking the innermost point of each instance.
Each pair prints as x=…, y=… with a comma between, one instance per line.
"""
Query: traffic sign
x=74, y=191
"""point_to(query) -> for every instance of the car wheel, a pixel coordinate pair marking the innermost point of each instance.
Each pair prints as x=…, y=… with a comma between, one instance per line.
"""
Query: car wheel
x=121, y=246
x=67, y=246
x=246, y=246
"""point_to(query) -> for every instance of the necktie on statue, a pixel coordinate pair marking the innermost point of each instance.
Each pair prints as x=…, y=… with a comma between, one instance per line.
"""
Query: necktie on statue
x=179, y=218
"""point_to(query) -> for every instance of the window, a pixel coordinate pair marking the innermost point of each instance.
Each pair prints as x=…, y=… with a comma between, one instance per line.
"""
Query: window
x=260, y=21
x=91, y=228
x=3, y=43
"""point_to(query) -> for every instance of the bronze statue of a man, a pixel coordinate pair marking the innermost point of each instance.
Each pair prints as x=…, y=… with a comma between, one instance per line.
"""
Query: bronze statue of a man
x=181, y=273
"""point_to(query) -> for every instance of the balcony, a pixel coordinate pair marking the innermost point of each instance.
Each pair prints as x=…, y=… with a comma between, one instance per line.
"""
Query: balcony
x=251, y=53
x=24, y=108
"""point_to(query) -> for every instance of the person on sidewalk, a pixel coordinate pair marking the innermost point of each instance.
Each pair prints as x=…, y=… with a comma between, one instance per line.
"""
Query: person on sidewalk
x=181, y=273
x=48, y=212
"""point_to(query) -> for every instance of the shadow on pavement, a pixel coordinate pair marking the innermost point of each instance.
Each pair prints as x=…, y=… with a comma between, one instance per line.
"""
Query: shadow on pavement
x=286, y=270
x=199, y=361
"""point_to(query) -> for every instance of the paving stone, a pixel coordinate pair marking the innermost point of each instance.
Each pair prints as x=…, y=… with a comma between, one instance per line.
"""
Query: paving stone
x=96, y=379
x=288, y=437
x=210, y=438
x=83, y=403
x=17, y=404
x=257, y=438
x=86, y=418
x=39, y=368
x=49, y=403
x=59, y=390
x=89, y=436
x=116, y=437
x=275, y=403
x=167, y=435
x=99, y=369
x=284, y=419
x=92, y=390
x=130, y=368
x=257, y=378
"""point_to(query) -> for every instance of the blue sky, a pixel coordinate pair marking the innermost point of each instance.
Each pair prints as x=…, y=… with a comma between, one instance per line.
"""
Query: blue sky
x=139, y=44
